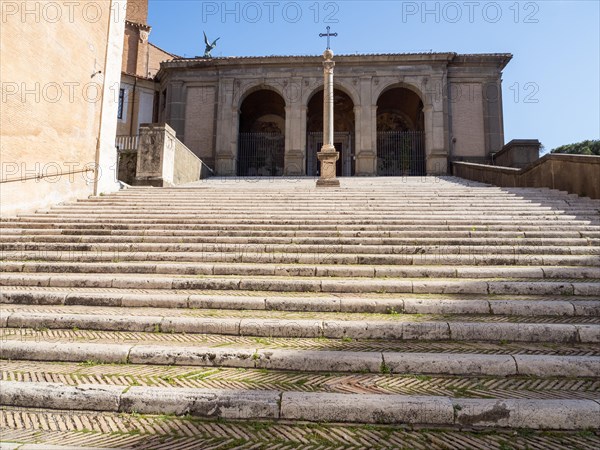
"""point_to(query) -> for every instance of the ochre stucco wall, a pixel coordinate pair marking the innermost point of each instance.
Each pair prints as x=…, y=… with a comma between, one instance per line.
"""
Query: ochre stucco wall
x=59, y=92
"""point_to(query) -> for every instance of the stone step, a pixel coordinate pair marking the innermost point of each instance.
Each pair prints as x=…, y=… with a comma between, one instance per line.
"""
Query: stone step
x=276, y=227
x=327, y=249
x=252, y=301
x=286, y=309
x=305, y=406
x=403, y=202
x=425, y=210
x=87, y=429
x=498, y=347
x=330, y=240
x=473, y=259
x=306, y=324
x=305, y=218
x=40, y=233
x=305, y=270
x=327, y=214
x=196, y=377
x=308, y=284
x=171, y=353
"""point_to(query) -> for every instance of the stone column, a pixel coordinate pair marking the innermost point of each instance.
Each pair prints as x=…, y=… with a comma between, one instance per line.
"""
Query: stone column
x=227, y=132
x=294, y=155
x=328, y=155
x=366, y=125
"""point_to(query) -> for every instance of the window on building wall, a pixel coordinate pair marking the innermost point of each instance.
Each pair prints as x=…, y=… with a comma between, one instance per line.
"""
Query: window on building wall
x=121, y=103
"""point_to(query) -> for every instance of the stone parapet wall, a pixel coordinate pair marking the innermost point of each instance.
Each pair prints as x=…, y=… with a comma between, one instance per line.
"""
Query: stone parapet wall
x=163, y=160
x=576, y=174
x=187, y=167
x=518, y=153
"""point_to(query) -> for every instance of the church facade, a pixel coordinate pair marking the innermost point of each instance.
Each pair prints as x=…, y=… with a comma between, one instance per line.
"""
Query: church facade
x=395, y=114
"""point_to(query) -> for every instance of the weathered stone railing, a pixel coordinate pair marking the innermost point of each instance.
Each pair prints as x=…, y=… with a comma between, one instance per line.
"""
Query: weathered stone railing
x=163, y=160
x=576, y=174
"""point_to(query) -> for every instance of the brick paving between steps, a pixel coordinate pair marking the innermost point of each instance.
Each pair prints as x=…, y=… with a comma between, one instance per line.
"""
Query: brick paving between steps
x=121, y=431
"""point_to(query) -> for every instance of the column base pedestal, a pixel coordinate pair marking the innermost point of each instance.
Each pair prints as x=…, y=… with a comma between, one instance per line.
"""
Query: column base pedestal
x=328, y=157
x=328, y=183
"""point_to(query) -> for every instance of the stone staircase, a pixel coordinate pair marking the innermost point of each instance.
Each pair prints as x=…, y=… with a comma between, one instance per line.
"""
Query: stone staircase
x=426, y=302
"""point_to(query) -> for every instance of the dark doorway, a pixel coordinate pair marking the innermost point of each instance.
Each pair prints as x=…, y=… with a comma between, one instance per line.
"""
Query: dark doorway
x=261, y=140
x=400, y=135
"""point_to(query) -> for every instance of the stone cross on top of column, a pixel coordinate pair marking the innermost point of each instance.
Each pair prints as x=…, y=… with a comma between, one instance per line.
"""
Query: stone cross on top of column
x=329, y=35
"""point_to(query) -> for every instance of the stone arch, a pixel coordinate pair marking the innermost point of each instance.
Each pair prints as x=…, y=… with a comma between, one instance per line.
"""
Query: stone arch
x=242, y=95
x=400, y=109
x=378, y=91
x=338, y=85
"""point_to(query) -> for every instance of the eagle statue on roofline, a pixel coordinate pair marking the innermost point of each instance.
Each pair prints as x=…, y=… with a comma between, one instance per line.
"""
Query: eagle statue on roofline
x=209, y=46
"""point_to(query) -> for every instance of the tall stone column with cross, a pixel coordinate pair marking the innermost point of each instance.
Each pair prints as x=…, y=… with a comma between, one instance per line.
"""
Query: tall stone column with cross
x=328, y=155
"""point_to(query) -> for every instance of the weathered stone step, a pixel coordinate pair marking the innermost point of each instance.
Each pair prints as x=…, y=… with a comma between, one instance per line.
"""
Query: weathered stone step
x=307, y=317
x=575, y=227
x=326, y=249
x=375, y=209
x=185, y=234
x=307, y=284
x=323, y=361
x=299, y=205
x=330, y=240
x=195, y=377
x=308, y=217
x=498, y=347
x=123, y=254
x=303, y=406
x=296, y=219
x=304, y=270
x=302, y=325
x=246, y=301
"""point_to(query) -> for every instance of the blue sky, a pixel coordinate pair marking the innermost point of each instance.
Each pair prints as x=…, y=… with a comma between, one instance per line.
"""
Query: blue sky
x=551, y=87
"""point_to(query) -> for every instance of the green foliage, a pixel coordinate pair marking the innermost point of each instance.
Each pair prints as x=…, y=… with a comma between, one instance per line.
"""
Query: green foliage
x=580, y=148
x=385, y=369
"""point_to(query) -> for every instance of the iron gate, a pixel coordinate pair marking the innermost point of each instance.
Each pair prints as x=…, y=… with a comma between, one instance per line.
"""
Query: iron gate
x=400, y=153
x=343, y=144
x=260, y=154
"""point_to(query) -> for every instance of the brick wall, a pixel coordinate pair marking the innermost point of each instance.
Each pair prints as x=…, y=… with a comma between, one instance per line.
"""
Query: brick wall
x=467, y=120
x=137, y=11
x=130, y=49
x=156, y=56
x=199, y=129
